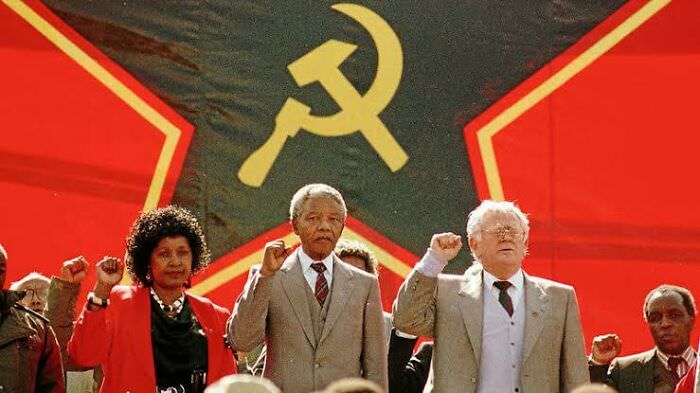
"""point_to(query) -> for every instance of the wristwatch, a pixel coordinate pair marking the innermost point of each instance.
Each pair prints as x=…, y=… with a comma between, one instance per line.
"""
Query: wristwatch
x=97, y=301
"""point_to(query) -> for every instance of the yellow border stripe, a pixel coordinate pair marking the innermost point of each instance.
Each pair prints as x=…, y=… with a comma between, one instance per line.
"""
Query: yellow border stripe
x=387, y=260
x=485, y=134
x=172, y=133
x=243, y=265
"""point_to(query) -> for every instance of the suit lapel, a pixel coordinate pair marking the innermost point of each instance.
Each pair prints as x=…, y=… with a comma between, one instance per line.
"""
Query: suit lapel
x=647, y=370
x=340, y=293
x=472, y=308
x=536, y=310
x=293, y=283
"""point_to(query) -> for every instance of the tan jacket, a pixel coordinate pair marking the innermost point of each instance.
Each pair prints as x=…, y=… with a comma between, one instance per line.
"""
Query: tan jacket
x=275, y=309
x=450, y=309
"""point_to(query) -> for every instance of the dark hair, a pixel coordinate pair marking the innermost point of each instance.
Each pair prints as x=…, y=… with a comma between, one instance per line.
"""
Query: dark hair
x=688, y=300
x=350, y=248
x=151, y=227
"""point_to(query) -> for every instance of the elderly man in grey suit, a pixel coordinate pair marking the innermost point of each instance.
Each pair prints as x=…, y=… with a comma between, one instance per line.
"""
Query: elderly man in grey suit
x=496, y=329
x=320, y=317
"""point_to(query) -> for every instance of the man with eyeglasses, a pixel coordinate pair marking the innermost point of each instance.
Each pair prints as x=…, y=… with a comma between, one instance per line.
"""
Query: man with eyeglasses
x=36, y=291
x=30, y=360
x=496, y=329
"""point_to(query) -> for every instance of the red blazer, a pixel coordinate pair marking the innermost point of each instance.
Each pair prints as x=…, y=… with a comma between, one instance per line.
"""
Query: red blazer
x=119, y=339
x=687, y=383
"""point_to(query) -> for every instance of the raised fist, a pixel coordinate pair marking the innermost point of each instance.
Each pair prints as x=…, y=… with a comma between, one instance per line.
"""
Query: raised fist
x=110, y=271
x=275, y=254
x=446, y=245
x=74, y=270
x=605, y=348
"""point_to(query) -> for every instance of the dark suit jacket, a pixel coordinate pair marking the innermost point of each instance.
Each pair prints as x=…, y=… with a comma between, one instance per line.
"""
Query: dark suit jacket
x=629, y=374
x=407, y=374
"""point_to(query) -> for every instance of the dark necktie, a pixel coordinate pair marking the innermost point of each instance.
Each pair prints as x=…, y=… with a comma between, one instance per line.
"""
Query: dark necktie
x=321, y=283
x=503, y=296
x=674, y=364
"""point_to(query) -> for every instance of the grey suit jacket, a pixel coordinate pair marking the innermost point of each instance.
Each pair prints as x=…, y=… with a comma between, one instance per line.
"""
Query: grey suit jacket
x=275, y=309
x=450, y=309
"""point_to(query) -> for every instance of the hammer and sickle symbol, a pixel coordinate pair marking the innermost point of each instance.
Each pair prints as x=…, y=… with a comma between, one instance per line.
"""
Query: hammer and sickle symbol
x=358, y=112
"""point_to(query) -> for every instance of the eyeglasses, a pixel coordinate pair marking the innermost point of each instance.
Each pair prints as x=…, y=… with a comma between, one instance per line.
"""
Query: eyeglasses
x=40, y=293
x=501, y=232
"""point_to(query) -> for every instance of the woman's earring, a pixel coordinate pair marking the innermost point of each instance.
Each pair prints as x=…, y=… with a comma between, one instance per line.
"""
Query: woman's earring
x=148, y=277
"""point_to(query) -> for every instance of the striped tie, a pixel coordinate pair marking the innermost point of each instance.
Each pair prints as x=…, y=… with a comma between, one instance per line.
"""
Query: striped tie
x=321, y=283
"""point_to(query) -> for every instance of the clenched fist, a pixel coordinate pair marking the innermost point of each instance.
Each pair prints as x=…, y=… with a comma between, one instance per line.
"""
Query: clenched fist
x=275, y=254
x=446, y=245
x=110, y=271
x=74, y=270
x=605, y=348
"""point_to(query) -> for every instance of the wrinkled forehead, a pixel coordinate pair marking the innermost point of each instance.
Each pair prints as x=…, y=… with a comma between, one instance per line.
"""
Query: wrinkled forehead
x=35, y=285
x=666, y=299
x=317, y=201
x=500, y=218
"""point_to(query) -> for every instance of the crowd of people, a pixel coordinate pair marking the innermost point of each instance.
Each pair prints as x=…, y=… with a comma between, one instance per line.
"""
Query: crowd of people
x=310, y=319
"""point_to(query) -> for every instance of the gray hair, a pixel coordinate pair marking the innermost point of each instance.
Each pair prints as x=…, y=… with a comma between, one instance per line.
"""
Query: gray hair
x=3, y=253
x=313, y=191
x=476, y=217
x=33, y=276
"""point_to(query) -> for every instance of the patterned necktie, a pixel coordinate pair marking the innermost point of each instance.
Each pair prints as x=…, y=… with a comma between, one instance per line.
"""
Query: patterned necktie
x=321, y=283
x=503, y=296
x=675, y=363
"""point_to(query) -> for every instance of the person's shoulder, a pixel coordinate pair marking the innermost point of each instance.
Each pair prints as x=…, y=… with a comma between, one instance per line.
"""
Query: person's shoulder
x=203, y=301
x=635, y=359
x=355, y=271
x=548, y=284
x=31, y=313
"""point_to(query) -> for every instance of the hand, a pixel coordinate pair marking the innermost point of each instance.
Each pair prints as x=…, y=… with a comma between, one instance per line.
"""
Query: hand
x=275, y=254
x=74, y=270
x=605, y=348
x=446, y=245
x=110, y=271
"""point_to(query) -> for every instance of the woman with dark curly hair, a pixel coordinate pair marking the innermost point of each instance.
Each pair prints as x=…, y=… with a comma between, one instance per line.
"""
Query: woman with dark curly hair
x=153, y=336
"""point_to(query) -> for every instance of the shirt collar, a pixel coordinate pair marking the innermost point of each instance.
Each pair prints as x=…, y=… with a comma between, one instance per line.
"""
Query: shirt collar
x=688, y=355
x=306, y=261
x=517, y=280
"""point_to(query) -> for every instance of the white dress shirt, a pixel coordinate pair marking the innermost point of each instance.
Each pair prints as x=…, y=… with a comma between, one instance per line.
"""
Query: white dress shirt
x=309, y=273
x=515, y=291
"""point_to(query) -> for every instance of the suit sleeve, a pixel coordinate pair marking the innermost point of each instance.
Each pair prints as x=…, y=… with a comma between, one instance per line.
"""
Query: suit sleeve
x=573, y=370
x=50, y=373
x=61, y=312
x=414, y=308
x=246, y=327
x=374, y=347
x=408, y=374
x=92, y=337
x=598, y=372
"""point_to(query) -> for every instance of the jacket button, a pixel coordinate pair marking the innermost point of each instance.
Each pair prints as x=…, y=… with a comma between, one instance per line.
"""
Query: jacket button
x=473, y=380
x=317, y=365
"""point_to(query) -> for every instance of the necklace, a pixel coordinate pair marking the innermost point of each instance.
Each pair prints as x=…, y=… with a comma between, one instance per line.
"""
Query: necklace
x=171, y=309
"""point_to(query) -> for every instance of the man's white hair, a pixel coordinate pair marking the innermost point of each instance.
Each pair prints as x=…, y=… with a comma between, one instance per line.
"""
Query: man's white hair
x=33, y=276
x=476, y=217
x=313, y=191
x=3, y=253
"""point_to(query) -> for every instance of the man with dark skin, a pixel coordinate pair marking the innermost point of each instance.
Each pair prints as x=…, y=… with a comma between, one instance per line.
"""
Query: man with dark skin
x=321, y=318
x=669, y=311
x=30, y=359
